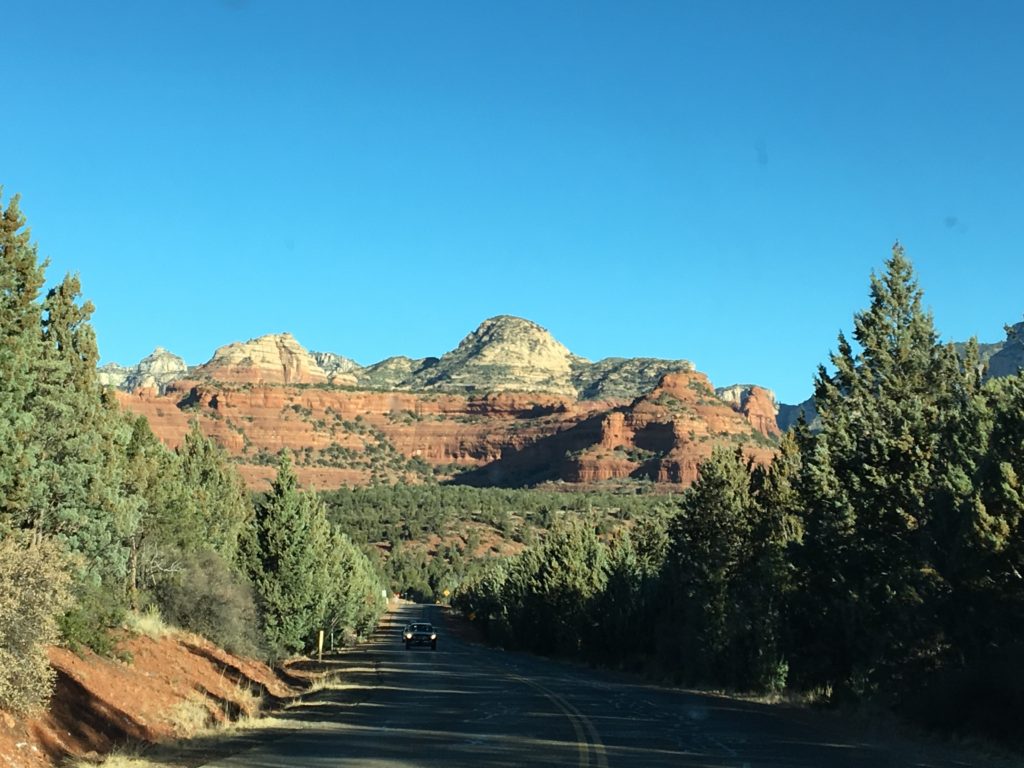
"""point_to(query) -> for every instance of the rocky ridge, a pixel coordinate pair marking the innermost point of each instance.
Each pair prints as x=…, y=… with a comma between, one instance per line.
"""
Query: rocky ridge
x=504, y=354
x=509, y=405
x=270, y=359
x=154, y=371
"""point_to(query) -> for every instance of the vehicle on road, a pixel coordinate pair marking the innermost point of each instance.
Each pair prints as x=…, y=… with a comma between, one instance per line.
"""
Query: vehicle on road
x=420, y=633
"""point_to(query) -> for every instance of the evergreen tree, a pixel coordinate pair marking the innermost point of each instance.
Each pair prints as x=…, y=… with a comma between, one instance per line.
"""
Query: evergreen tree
x=709, y=540
x=21, y=279
x=874, y=529
x=355, y=602
x=767, y=582
x=221, y=505
x=166, y=520
x=291, y=564
x=82, y=441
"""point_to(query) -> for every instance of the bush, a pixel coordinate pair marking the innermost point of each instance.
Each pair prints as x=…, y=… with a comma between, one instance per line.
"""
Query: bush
x=211, y=599
x=96, y=610
x=33, y=594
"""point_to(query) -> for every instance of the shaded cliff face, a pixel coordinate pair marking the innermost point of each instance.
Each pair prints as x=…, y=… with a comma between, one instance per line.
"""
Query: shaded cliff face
x=1009, y=359
x=662, y=436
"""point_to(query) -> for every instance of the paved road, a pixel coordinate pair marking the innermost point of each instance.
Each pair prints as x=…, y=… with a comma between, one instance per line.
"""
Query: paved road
x=467, y=705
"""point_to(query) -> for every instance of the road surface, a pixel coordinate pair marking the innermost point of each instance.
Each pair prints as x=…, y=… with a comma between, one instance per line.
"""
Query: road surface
x=469, y=705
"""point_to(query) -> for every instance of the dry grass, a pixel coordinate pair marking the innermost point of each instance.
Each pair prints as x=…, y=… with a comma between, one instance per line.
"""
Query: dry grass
x=201, y=736
x=190, y=718
x=125, y=756
x=149, y=624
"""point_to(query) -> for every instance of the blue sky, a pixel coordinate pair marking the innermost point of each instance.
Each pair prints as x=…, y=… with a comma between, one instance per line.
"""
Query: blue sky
x=703, y=180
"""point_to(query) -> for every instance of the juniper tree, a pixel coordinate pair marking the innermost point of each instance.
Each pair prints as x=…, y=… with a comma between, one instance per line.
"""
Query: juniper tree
x=21, y=279
x=290, y=562
x=874, y=515
x=221, y=506
x=709, y=547
x=82, y=442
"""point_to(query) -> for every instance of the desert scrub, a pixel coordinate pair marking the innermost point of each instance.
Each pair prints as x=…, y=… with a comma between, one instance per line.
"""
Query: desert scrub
x=34, y=592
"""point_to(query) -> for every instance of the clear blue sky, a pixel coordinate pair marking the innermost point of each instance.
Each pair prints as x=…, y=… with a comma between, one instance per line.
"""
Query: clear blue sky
x=705, y=180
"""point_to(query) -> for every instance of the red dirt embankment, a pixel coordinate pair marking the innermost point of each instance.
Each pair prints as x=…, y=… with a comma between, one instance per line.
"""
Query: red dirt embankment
x=161, y=689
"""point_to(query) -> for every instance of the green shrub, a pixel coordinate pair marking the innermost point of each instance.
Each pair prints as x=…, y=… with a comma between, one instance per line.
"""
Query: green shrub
x=33, y=593
x=95, y=612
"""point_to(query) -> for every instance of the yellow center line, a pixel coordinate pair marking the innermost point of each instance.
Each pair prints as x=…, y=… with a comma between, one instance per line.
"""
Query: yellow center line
x=579, y=722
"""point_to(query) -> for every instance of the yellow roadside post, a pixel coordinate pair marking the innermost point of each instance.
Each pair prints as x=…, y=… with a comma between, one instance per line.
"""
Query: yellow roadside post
x=320, y=647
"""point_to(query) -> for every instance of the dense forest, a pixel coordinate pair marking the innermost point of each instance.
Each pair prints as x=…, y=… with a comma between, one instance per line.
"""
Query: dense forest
x=879, y=558
x=99, y=522
x=433, y=538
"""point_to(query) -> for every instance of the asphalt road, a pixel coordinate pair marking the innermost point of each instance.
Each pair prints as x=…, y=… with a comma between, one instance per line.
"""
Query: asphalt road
x=468, y=705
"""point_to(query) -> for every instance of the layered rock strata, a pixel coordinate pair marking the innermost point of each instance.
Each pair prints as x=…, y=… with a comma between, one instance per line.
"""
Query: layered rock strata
x=341, y=437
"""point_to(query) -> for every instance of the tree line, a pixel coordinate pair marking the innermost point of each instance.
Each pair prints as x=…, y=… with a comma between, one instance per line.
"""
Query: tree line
x=471, y=525
x=879, y=558
x=99, y=519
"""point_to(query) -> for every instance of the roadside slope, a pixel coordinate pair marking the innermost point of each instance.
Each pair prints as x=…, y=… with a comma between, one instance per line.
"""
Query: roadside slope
x=154, y=690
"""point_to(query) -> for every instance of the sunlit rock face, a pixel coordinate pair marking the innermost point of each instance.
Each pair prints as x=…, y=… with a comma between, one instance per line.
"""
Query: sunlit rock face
x=276, y=358
x=155, y=371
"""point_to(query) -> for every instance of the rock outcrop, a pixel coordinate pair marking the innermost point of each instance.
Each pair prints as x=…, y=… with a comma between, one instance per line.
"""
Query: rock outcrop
x=270, y=359
x=620, y=377
x=342, y=437
x=155, y=371
x=340, y=370
x=393, y=373
x=504, y=354
x=509, y=406
x=756, y=403
x=662, y=436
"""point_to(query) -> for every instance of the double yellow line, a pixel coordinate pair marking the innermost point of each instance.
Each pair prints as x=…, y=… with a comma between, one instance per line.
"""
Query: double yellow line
x=588, y=740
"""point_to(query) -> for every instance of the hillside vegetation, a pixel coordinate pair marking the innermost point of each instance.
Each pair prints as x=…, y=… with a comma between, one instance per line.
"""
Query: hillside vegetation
x=98, y=518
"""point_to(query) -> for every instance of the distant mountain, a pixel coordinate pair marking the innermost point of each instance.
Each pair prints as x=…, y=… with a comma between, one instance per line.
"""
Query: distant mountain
x=392, y=373
x=155, y=371
x=504, y=354
x=756, y=403
x=621, y=378
x=985, y=351
x=790, y=414
x=509, y=405
x=1009, y=358
x=271, y=359
x=661, y=436
x=339, y=370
